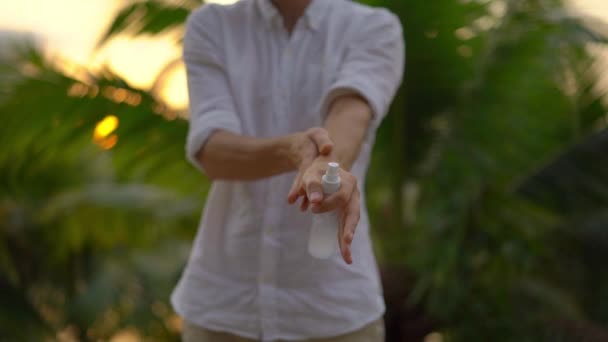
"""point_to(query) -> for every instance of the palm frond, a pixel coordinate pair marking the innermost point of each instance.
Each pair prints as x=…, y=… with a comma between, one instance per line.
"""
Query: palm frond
x=71, y=195
x=149, y=18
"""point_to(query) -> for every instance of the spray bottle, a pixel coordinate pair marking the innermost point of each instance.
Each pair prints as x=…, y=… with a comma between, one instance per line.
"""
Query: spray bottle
x=323, y=240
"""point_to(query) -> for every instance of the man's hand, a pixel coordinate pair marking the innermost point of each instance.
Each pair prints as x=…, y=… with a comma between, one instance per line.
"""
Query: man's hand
x=305, y=147
x=347, y=122
x=308, y=145
x=346, y=200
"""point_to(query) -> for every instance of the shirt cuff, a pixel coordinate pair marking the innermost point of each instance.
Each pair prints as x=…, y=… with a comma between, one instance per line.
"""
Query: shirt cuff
x=201, y=129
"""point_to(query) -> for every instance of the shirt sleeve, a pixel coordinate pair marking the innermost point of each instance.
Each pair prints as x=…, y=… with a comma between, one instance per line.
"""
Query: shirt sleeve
x=373, y=65
x=211, y=102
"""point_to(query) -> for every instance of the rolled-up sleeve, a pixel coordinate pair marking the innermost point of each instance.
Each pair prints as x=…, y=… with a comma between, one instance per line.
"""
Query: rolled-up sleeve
x=210, y=97
x=373, y=65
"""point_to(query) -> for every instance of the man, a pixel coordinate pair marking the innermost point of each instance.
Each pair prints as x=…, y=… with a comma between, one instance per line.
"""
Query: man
x=277, y=90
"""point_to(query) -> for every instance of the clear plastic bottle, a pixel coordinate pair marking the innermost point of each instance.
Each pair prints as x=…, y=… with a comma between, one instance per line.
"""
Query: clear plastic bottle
x=323, y=240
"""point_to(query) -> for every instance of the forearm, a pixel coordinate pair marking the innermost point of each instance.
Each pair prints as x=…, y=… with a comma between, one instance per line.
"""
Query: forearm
x=347, y=124
x=230, y=156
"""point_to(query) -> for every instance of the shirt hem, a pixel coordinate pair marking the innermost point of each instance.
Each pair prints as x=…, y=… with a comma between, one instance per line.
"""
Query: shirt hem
x=207, y=324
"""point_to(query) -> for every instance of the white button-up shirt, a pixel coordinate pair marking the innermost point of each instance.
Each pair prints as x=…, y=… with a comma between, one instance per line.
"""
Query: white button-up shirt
x=249, y=272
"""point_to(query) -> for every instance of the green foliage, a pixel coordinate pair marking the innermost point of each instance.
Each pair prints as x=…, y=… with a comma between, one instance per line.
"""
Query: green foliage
x=482, y=115
x=86, y=231
x=150, y=17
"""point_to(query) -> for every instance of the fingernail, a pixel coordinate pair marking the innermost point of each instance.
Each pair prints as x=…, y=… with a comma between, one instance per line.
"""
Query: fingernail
x=315, y=196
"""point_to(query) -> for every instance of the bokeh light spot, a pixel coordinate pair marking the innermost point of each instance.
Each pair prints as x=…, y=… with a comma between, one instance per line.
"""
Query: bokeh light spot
x=103, y=129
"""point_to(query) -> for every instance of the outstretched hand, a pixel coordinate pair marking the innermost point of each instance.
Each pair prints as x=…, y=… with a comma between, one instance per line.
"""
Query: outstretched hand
x=346, y=200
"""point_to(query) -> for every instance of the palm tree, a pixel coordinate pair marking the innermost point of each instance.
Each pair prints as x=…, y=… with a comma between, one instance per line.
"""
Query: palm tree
x=97, y=204
x=494, y=93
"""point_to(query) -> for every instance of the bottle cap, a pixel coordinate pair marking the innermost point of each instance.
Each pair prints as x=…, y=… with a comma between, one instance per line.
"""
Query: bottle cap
x=333, y=172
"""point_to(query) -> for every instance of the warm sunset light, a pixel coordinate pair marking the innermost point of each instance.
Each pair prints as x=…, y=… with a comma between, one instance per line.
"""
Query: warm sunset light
x=70, y=28
x=138, y=60
x=103, y=129
x=106, y=126
x=174, y=90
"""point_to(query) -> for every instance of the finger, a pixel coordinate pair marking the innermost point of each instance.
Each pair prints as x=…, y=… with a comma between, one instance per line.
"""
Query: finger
x=334, y=201
x=338, y=199
x=351, y=220
x=344, y=248
x=321, y=138
x=296, y=189
x=304, y=204
x=347, y=255
x=314, y=190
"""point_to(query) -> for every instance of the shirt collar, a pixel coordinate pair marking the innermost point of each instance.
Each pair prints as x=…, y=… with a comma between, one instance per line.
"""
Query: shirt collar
x=312, y=15
x=269, y=13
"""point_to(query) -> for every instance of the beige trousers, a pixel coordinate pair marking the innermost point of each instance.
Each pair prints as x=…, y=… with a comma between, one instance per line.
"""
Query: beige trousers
x=373, y=332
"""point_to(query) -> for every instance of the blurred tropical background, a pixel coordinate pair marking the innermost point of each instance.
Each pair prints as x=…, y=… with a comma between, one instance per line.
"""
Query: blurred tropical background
x=492, y=225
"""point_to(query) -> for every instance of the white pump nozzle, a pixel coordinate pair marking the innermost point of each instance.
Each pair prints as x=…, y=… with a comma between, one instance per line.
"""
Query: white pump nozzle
x=331, y=179
x=332, y=174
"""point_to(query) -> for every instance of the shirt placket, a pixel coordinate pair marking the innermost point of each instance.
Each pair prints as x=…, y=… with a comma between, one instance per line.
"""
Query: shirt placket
x=282, y=89
x=271, y=221
x=267, y=278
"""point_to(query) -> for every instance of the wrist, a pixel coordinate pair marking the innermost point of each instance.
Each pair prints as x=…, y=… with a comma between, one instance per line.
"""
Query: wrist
x=288, y=150
x=333, y=158
x=324, y=159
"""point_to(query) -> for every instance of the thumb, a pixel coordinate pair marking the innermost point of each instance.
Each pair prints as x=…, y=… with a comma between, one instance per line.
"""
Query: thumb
x=314, y=191
x=321, y=138
x=294, y=192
